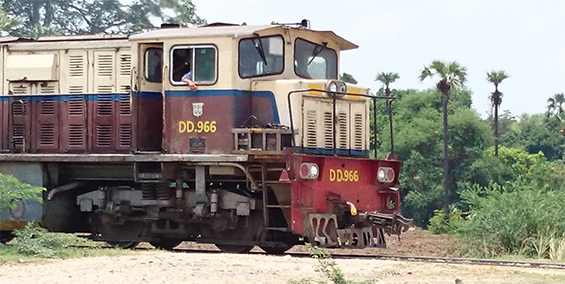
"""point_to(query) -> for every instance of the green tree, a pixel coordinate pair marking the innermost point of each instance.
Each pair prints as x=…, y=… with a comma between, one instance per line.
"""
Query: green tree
x=12, y=189
x=452, y=77
x=348, y=78
x=555, y=106
x=386, y=79
x=72, y=17
x=496, y=77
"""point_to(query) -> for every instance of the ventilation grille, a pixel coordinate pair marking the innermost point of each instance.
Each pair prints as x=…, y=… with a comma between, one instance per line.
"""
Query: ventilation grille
x=47, y=134
x=125, y=104
x=48, y=89
x=311, y=128
x=104, y=105
x=76, y=105
x=18, y=137
x=104, y=89
x=105, y=65
x=19, y=108
x=342, y=130
x=76, y=65
x=328, y=130
x=103, y=135
x=76, y=89
x=76, y=135
x=19, y=90
x=125, y=135
x=47, y=106
x=125, y=88
x=125, y=64
x=358, y=135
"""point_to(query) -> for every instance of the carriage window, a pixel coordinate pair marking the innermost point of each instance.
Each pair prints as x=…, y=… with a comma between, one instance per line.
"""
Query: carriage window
x=261, y=56
x=153, y=64
x=199, y=62
x=314, y=61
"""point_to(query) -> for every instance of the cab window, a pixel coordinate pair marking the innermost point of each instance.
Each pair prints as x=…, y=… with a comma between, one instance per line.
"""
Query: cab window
x=153, y=64
x=198, y=62
x=314, y=61
x=261, y=56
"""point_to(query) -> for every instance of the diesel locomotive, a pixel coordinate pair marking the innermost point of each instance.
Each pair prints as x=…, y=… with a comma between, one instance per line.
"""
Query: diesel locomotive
x=271, y=150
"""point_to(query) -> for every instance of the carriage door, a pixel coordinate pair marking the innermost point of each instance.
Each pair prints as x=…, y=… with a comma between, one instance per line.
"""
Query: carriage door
x=149, y=97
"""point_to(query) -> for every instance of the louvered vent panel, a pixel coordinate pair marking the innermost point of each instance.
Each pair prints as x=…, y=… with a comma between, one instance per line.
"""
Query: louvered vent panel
x=311, y=128
x=76, y=105
x=125, y=104
x=125, y=88
x=104, y=89
x=104, y=105
x=47, y=106
x=19, y=108
x=342, y=130
x=19, y=90
x=76, y=89
x=125, y=64
x=103, y=135
x=18, y=137
x=358, y=135
x=47, y=134
x=76, y=65
x=328, y=130
x=125, y=135
x=76, y=135
x=105, y=65
x=49, y=89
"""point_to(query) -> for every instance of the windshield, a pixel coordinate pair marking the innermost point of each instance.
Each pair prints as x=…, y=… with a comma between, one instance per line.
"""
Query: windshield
x=261, y=56
x=314, y=61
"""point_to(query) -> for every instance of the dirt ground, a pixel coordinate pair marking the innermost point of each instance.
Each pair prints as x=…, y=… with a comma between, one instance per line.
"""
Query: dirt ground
x=154, y=266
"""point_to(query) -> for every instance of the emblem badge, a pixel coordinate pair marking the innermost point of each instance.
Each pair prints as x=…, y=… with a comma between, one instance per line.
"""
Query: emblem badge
x=197, y=109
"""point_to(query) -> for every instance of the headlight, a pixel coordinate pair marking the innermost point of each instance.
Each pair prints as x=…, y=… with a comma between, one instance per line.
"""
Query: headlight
x=385, y=174
x=309, y=171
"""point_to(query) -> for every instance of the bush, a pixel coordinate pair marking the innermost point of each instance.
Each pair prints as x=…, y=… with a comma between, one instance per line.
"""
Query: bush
x=519, y=217
x=12, y=189
x=440, y=225
x=37, y=241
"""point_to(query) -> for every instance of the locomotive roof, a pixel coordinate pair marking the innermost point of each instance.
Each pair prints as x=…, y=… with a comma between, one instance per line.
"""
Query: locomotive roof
x=231, y=31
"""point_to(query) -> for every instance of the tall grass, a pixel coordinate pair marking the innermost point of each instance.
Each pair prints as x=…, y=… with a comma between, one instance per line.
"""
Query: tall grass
x=519, y=217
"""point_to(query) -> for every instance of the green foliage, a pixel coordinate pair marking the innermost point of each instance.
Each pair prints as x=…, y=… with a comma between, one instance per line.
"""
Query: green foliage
x=12, y=189
x=519, y=217
x=348, y=78
x=536, y=133
x=54, y=17
x=37, y=241
x=329, y=268
x=439, y=224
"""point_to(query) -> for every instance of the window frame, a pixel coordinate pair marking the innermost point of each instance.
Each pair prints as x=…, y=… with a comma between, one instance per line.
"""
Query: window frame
x=193, y=48
x=145, y=65
x=336, y=75
x=262, y=37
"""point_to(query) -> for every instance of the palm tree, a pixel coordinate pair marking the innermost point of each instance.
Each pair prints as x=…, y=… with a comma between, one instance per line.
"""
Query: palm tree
x=496, y=77
x=452, y=77
x=386, y=79
x=555, y=106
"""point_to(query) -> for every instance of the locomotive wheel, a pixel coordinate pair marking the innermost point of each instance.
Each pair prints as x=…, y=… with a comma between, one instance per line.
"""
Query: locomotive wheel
x=166, y=243
x=117, y=235
x=5, y=236
x=123, y=245
x=282, y=242
x=246, y=231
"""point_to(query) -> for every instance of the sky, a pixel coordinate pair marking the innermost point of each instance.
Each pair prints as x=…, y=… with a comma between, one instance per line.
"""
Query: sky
x=524, y=38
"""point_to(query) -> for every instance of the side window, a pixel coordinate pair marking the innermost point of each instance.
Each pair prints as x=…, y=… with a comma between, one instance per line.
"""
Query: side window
x=314, y=61
x=197, y=62
x=153, y=64
x=261, y=56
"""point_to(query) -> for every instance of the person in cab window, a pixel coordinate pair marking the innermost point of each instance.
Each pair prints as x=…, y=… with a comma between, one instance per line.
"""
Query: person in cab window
x=187, y=78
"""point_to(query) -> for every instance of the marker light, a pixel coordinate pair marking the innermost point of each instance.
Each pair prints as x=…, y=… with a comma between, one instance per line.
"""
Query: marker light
x=309, y=171
x=385, y=174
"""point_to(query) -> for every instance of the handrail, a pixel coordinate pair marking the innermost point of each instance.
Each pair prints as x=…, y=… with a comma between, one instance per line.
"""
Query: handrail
x=334, y=95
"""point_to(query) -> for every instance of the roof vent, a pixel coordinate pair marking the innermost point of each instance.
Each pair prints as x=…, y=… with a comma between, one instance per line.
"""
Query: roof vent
x=169, y=26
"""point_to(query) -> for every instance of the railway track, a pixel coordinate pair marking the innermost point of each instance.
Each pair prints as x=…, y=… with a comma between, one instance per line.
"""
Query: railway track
x=450, y=260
